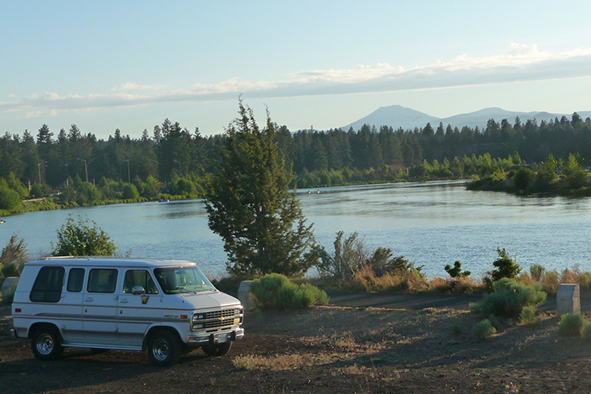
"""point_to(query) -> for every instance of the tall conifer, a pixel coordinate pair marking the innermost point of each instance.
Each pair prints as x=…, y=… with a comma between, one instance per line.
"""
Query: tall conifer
x=250, y=205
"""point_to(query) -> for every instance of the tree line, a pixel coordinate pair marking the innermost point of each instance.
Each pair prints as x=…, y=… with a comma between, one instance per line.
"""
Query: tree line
x=174, y=160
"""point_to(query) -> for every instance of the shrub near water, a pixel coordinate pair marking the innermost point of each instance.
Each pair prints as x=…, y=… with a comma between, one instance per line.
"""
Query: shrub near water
x=275, y=291
x=508, y=299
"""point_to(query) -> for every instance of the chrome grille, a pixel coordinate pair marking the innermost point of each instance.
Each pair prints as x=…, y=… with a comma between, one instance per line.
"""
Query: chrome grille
x=224, y=313
x=216, y=319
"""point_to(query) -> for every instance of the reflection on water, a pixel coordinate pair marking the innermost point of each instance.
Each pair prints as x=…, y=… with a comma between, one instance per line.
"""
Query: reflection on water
x=433, y=224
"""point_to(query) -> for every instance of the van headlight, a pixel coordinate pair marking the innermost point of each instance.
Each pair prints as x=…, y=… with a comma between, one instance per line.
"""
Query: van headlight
x=198, y=321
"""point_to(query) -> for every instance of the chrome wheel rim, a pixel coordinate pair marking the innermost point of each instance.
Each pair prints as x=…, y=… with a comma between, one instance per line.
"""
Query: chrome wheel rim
x=160, y=350
x=45, y=344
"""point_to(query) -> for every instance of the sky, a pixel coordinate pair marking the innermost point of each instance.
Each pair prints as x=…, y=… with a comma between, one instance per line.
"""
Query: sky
x=129, y=65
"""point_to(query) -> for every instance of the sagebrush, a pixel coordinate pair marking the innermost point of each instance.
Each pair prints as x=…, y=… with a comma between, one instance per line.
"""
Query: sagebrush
x=508, y=299
x=571, y=325
x=275, y=291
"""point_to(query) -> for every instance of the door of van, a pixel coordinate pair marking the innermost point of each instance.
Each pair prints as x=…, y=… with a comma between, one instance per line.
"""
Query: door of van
x=72, y=326
x=99, y=306
x=140, y=305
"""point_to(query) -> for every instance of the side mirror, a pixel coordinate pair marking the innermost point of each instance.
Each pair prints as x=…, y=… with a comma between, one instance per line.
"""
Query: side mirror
x=138, y=290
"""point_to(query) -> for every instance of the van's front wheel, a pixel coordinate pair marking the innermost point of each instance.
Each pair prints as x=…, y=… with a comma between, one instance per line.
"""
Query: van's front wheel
x=46, y=344
x=164, y=348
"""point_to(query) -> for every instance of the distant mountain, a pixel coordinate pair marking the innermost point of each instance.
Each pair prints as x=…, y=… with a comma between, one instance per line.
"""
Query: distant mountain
x=406, y=118
x=395, y=114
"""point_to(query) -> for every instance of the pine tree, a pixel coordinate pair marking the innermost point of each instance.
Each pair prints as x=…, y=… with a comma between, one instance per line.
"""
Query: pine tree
x=250, y=205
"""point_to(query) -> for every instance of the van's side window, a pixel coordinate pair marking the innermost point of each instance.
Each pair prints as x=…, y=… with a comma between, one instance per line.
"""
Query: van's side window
x=48, y=285
x=102, y=280
x=75, y=280
x=139, y=278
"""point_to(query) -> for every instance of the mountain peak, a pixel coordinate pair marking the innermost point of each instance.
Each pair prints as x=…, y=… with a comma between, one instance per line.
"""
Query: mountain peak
x=397, y=116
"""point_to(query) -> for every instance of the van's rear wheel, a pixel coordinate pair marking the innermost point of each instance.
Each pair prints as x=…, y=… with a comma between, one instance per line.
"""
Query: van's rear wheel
x=46, y=343
x=217, y=350
x=164, y=348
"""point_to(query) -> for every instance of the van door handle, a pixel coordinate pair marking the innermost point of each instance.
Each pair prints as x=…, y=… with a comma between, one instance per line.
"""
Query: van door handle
x=88, y=300
x=124, y=301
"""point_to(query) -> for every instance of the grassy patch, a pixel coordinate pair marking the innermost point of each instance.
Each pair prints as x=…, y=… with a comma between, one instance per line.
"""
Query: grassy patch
x=278, y=362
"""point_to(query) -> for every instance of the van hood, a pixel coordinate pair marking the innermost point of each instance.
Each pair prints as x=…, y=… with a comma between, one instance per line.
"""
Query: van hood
x=207, y=300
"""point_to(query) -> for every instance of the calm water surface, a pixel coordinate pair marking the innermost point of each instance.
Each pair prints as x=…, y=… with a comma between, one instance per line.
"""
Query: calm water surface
x=433, y=224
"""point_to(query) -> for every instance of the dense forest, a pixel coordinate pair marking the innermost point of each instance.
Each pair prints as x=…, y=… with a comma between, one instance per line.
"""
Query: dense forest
x=174, y=160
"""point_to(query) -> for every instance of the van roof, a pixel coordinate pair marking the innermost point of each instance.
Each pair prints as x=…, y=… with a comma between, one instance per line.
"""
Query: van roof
x=88, y=261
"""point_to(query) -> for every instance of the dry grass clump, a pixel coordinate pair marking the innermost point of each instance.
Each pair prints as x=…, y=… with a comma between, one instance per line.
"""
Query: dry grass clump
x=366, y=280
x=575, y=275
x=550, y=280
x=463, y=285
x=285, y=362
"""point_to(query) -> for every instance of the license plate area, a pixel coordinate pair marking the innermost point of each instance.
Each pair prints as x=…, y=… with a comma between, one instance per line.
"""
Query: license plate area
x=221, y=338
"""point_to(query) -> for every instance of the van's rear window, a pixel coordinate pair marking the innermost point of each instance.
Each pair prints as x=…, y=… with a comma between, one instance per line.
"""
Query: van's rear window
x=48, y=285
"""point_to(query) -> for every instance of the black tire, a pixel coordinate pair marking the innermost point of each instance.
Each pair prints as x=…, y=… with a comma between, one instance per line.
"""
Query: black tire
x=46, y=343
x=217, y=350
x=164, y=348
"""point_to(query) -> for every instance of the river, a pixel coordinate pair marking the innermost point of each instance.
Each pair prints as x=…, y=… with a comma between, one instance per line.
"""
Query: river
x=432, y=224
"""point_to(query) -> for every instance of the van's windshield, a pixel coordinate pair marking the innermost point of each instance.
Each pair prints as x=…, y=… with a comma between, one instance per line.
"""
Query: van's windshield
x=177, y=280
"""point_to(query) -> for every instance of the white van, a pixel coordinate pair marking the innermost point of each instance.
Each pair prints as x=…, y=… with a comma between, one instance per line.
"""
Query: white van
x=166, y=306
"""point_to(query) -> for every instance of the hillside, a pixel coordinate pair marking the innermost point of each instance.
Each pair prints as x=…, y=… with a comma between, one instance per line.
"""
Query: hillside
x=397, y=116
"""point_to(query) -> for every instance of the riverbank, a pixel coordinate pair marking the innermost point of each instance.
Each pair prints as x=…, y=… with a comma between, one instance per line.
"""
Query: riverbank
x=53, y=203
x=535, y=185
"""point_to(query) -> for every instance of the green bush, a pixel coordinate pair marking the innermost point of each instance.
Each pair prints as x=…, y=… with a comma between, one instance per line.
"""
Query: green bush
x=571, y=325
x=84, y=238
x=275, y=291
x=39, y=190
x=484, y=329
x=456, y=271
x=9, y=199
x=184, y=186
x=523, y=178
x=506, y=267
x=129, y=192
x=508, y=299
x=528, y=315
x=586, y=333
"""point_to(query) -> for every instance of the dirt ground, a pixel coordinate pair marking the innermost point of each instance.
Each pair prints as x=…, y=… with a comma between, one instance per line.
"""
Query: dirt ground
x=326, y=350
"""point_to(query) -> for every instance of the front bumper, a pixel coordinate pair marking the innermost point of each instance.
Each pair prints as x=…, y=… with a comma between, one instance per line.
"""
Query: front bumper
x=215, y=338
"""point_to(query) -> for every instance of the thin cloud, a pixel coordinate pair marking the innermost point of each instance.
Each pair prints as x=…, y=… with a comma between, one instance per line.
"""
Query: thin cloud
x=520, y=63
x=135, y=86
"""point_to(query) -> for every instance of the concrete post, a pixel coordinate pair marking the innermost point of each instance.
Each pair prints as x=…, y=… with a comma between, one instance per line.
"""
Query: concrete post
x=568, y=299
x=244, y=295
x=9, y=284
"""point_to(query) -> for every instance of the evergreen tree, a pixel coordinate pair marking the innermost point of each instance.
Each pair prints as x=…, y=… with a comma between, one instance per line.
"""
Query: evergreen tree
x=251, y=208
